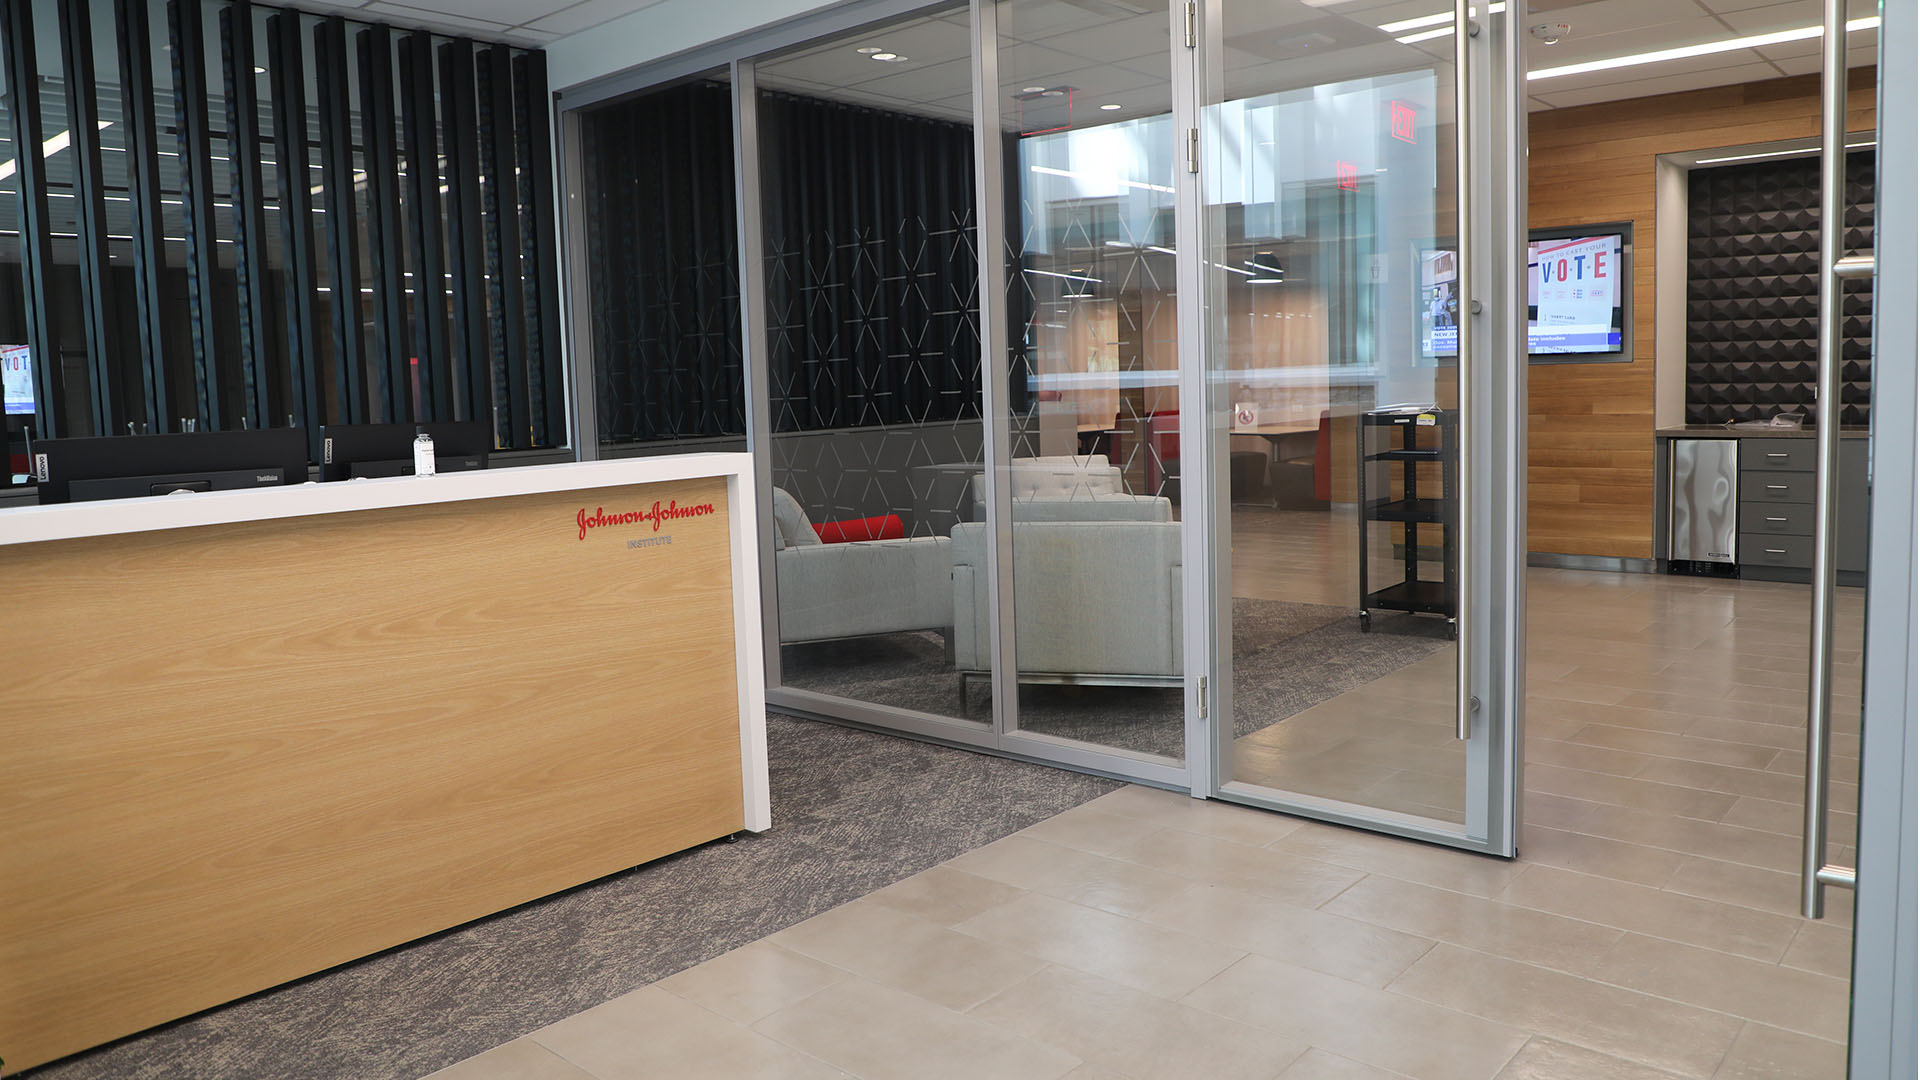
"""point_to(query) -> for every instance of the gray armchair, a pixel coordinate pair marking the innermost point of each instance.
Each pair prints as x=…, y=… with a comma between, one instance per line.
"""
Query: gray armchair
x=1095, y=601
x=862, y=587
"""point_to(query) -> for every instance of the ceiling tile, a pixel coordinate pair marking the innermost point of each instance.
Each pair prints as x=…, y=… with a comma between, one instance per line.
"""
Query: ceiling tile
x=586, y=15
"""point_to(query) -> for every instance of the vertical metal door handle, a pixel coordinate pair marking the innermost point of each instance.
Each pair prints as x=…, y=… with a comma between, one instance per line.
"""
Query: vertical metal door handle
x=1815, y=874
x=1463, y=430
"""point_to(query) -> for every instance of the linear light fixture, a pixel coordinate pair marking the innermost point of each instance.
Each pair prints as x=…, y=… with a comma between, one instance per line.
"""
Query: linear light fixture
x=1435, y=19
x=1801, y=152
x=1705, y=48
x=49, y=148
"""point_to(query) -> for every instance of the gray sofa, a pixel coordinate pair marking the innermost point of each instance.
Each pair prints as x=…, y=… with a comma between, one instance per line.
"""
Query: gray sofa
x=1071, y=489
x=1095, y=601
x=829, y=591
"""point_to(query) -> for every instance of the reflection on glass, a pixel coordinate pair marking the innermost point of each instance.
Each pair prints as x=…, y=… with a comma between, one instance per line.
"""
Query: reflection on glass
x=875, y=366
x=1330, y=218
x=1094, y=477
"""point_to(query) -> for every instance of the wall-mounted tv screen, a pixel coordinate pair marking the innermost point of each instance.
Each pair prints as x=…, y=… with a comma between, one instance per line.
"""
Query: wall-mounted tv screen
x=1574, y=294
x=16, y=379
x=1579, y=296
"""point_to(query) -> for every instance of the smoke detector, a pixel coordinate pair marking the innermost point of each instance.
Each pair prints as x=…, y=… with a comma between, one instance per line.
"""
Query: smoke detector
x=1550, y=33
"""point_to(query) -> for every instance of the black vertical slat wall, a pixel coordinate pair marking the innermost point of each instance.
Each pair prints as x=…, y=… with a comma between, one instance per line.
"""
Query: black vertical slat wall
x=142, y=135
x=36, y=241
x=90, y=201
x=347, y=265
x=194, y=144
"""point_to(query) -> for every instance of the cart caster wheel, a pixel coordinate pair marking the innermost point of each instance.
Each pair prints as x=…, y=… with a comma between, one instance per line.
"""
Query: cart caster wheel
x=1453, y=630
x=1366, y=622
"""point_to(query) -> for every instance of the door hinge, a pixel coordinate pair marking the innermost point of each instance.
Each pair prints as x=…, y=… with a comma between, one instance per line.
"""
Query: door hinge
x=1193, y=23
x=1193, y=150
x=1203, y=697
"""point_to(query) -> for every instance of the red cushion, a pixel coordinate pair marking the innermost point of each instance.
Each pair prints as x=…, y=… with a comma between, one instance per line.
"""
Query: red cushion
x=885, y=527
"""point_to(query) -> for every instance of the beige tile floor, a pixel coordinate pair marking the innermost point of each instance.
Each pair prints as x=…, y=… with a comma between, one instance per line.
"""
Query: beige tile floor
x=1648, y=929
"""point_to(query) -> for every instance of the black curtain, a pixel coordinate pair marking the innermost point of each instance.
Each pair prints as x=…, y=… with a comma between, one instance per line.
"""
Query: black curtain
x=872, y=277
x=663, y=251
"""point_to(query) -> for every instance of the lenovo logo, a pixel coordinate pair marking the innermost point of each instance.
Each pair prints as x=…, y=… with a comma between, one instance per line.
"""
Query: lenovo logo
x=656, y=515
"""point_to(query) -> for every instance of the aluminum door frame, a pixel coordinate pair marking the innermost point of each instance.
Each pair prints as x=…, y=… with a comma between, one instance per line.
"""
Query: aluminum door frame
x=1494, y=586
x=1881, y=1042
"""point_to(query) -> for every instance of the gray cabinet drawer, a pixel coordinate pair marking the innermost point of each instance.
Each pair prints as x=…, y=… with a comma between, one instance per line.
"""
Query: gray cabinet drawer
x=1783, y=519
x=1787, y=455
x=1764, y=549
x=1774, y=487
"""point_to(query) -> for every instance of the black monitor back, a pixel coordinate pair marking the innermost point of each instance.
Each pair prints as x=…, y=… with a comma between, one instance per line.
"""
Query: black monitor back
x=348, y=451
x=125, y=466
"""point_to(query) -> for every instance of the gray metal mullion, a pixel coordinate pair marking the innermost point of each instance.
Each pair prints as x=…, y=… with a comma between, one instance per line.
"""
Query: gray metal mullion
x=422, y=149
x=187, y=36
x=1208, y=648
x=1881, y=1046
x=374, y=46
x=989, y=192
x=466, y=247
x=133, y=34
x=750, y=229
x=576, y=286
x=89, y=188
x=343, y=232
x=289, y=89
x=249, y=207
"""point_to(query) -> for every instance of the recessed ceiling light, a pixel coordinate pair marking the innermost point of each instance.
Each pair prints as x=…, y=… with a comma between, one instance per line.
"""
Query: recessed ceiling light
x=1053, y=93
x=894, y=59
x=1108, y=107
x=882, y=55
x=1031, y=89
x=869, y=50
x=259, y=70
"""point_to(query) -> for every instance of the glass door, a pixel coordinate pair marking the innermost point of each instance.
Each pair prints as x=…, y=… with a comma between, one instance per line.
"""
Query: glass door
x=1359, y=366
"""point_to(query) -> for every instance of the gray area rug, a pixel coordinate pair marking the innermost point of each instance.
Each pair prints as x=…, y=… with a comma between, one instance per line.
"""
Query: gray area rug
x=853, y=811
x=1287, y=658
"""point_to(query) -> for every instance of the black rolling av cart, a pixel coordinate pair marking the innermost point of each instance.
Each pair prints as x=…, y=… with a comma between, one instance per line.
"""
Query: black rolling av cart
x=1393, y=435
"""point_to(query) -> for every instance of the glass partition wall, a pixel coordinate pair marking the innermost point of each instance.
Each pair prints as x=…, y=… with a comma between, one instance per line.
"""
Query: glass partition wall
x=873, y=389
x=1334, y=358
x=1057, y=327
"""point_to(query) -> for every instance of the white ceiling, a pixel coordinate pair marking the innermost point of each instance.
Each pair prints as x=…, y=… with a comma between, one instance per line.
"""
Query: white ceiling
x=523, y=22
x=1115, y=51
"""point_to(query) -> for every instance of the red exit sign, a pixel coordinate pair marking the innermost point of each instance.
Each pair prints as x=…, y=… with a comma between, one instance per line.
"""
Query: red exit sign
x=1403, y=117
x=1348, y=174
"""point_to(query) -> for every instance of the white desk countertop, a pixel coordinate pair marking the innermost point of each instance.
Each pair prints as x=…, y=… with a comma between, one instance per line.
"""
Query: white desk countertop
x=66, y=521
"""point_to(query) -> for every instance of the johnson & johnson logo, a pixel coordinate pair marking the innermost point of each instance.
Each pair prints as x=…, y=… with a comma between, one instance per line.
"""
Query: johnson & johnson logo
x=656, y=514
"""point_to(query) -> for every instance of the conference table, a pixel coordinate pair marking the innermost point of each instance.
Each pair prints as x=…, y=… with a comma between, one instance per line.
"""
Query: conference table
x=252, y=735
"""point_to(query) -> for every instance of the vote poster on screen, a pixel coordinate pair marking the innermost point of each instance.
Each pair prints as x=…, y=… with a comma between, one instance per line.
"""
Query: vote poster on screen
x=16, y=379
x=1574, y=294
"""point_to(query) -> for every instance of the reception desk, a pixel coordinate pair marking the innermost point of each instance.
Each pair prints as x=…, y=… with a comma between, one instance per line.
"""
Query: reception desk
x=247, y=736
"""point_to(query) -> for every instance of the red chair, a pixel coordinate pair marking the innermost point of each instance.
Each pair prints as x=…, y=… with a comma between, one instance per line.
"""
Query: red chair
x=1163, y=449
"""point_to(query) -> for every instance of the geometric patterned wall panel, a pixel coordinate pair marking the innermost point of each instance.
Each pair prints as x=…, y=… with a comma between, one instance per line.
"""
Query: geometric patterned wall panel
x=1753, y=290
x=872, y=278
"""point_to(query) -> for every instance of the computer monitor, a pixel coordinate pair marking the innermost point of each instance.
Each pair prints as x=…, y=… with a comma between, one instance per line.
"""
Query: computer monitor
x=353, y=451
x=128, y=466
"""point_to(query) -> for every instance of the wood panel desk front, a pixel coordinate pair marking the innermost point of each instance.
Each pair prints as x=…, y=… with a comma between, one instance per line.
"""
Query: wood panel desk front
x=253, y=735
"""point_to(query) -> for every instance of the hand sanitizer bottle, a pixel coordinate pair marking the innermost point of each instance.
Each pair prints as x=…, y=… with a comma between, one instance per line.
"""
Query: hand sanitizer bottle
x=422, y=452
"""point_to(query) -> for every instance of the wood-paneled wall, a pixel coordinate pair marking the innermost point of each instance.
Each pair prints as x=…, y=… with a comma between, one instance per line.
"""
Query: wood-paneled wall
x=1590, y=431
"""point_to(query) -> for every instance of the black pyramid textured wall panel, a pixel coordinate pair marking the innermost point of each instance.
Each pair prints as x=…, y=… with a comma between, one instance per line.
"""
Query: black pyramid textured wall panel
x=1753, y=290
